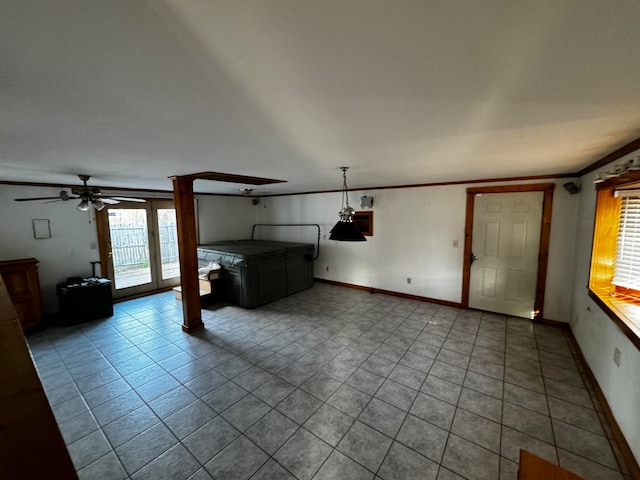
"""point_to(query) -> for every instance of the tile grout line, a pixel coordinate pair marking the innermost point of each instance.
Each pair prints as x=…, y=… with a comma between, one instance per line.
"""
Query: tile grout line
x=60, y=344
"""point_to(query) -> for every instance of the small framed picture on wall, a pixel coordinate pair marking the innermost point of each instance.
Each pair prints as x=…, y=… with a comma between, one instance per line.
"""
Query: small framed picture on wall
x=41, y=228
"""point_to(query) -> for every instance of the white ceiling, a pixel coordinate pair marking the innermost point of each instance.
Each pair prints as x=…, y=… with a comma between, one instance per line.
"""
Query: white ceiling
x=403, y=92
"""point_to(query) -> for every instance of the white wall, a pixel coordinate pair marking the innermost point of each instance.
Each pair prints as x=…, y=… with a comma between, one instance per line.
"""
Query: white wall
x=598, y=336
x=67, y=253
x=225, y=218
x=414, y=230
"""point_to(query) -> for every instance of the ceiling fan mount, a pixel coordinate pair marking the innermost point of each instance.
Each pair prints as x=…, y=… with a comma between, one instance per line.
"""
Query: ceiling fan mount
x=85, y=190
x=88, y=196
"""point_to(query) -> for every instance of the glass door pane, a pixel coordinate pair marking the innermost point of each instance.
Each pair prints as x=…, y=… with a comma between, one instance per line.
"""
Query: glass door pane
x=168, y=237
x=129, y=247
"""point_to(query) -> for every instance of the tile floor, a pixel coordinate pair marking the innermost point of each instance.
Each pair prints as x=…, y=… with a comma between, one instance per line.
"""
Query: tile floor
x=331, y=383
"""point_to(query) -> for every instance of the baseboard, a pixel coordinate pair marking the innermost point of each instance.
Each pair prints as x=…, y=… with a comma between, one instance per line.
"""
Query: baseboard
x=625, y=450
x=140, y=295
x=372, y=290
x=556, y=323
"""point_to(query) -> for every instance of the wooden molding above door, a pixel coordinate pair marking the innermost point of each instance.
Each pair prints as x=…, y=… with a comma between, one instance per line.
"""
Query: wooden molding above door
x=545, y=232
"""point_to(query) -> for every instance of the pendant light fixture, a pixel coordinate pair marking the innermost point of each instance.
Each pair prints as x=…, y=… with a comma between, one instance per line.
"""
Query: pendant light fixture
x=345, y=230
x=86, y=202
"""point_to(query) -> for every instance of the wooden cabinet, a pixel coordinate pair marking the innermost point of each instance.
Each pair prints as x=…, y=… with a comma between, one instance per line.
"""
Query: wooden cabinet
x=30, y=440
x=23, y=285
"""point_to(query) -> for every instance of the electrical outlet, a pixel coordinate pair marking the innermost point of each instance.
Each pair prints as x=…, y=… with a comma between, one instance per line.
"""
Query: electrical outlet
x=616, y=356
x=455, y=244
x=408, y=279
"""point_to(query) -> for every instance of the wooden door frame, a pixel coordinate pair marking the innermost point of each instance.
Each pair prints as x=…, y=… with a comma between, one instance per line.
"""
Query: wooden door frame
x=545, y=233
x=104, y=237
x=164, y=204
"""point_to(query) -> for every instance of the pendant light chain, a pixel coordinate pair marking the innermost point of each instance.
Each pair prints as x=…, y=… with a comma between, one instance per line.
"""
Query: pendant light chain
x=346, y=230
x=345, y=192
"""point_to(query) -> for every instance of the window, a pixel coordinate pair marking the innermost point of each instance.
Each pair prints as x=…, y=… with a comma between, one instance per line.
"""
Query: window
x=614, y=280
x=626, y=275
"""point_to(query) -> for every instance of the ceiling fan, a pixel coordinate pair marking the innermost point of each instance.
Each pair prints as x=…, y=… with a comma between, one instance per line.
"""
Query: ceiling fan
x=87, y=195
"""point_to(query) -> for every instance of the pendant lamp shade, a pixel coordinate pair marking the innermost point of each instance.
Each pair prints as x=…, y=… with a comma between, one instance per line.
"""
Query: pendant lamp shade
x=345, y=230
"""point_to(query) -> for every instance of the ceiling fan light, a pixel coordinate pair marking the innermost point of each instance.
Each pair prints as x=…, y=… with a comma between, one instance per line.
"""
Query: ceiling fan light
x=98, y=204
x=83, y=206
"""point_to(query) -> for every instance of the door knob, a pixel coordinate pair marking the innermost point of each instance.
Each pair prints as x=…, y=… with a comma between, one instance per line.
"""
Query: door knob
x=472, y=258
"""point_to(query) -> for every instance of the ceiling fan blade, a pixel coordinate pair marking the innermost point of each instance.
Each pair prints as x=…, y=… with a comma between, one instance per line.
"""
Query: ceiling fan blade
x=54, y=201
x=35, y=198
x=127, y=199
x=110, y=201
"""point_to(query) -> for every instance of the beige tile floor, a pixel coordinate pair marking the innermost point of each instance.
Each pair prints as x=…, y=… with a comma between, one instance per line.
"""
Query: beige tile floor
x=331, y=383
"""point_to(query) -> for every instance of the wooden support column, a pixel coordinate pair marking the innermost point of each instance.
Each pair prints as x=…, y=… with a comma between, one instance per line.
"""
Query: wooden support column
x=187, y=247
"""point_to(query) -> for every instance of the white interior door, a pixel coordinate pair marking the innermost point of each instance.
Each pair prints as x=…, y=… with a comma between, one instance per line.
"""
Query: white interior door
x=506, y=245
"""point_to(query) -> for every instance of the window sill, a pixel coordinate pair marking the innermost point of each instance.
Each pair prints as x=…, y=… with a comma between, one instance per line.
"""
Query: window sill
x=624, y=312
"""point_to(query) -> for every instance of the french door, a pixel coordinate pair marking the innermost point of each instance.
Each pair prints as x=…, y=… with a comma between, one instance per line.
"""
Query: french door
x=139, y=246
